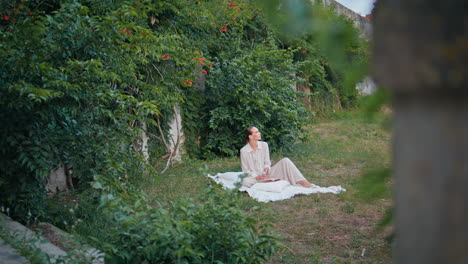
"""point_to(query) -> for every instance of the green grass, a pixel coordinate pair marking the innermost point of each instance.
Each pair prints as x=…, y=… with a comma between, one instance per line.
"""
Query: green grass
x=320, y=228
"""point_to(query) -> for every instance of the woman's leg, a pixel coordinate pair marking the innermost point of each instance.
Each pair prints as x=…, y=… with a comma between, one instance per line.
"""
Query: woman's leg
x=307, y=184
x=286, y=170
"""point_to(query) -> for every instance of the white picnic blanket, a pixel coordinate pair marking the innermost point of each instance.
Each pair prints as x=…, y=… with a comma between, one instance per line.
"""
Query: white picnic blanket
x=279, y=190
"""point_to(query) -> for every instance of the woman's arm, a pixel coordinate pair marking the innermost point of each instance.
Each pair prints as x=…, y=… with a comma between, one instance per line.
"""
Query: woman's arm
x=246, y=164
x=248, y=167
x=267, y=162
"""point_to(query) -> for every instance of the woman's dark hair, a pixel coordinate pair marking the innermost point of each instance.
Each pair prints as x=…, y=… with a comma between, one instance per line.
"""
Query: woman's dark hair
x=247, y=133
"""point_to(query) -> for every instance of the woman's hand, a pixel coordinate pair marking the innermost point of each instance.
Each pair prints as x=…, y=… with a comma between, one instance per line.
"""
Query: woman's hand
x=261, y=177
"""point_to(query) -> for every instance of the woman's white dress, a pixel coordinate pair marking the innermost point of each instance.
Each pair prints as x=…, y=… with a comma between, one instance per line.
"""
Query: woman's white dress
x=255, y=162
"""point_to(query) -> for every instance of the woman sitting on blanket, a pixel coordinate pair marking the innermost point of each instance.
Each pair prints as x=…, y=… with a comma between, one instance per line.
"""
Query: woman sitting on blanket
x=255, y=161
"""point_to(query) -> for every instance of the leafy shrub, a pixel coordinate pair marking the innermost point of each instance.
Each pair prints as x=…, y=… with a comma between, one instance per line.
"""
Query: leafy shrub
x=77, y=80
x=215, y=230
x=253, y=88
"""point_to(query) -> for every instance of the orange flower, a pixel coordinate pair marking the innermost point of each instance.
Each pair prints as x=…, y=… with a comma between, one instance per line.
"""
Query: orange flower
x=223, y=30
x=188, y=82
x=125, y=31
x=200, y=59
x=304, y=51
x=165, y=57
x=204, y=72
x=232, y=4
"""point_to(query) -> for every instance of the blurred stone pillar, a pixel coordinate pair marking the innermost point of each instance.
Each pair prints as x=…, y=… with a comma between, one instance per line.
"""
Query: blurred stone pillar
x=421, y=55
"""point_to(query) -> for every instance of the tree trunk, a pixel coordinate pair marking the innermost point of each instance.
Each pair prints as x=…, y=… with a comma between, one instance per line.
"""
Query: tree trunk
x=421, y=54
x=144, y=141
x=176, y=135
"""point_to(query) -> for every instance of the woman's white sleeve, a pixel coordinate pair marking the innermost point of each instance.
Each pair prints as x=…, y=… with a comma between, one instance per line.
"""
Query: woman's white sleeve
x=245, y=164
x=267, y=162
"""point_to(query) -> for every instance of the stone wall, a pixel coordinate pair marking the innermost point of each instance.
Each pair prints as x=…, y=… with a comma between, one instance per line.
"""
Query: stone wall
x=366, y=86
x=364, y=23
x=57, y=181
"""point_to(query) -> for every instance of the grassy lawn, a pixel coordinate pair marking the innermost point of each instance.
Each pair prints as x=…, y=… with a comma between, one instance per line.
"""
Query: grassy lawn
x=318, y=228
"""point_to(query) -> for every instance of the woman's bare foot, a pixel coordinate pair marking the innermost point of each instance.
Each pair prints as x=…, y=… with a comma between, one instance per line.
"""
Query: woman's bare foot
x=307, y=184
